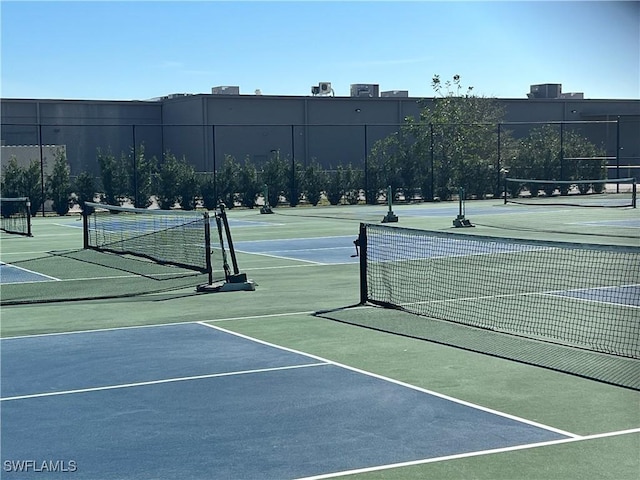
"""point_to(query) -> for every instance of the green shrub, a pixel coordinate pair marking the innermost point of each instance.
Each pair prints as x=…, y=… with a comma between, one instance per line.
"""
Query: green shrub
x=84, y=188
x=314, y=182
x=59, y=183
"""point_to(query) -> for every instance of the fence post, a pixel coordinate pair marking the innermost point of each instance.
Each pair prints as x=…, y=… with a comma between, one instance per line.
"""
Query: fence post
x=215, y=175
x=135, y=168
x=366, y=167
x=618, y=152
x=432, y=173
x=561, y=151
x=42, y=190
x=499, y=166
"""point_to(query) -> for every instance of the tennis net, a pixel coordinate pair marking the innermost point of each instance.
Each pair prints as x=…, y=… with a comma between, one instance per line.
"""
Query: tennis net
x=618, y=192
x=578, y=295
x=171, y=237
x=15, y=215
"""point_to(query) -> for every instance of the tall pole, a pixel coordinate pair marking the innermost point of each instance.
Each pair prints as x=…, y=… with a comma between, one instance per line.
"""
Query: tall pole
x=499, y=166
x=432, y=173
x=366, y=167
x=41, y=166
x=215, y=181
x=562, y=151
x=135, y=168
x=618, y=152
x=294, y=193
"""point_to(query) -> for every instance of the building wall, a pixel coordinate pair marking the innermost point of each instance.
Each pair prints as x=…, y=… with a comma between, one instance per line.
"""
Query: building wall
x=331, y=130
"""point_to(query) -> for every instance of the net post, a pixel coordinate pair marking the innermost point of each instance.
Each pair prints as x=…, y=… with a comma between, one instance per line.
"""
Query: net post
x=633, y=193
x=85, y=228
x=207, y=247
x=266, y=208
x=505, y=189
x=28, y=216
x=390, y=217
x=460, y=221
x=362, y=243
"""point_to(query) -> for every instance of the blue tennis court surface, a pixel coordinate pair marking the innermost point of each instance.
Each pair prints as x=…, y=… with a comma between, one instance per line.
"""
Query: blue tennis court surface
x=322, y=250
x=340, y=249
x=627, y=295
x=191, y=401
x=13, y=274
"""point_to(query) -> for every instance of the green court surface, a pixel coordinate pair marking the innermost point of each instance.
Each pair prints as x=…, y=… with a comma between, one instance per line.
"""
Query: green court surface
x=293, y=289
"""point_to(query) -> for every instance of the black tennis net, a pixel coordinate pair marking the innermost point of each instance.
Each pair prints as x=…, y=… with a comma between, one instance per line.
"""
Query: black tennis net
x=617, y=192
x=15, y=215
x=579, y=295
x=180, y=238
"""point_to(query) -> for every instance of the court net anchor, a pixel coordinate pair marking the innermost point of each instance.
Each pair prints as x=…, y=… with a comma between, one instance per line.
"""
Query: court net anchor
x=390, y=217
x=460, y=221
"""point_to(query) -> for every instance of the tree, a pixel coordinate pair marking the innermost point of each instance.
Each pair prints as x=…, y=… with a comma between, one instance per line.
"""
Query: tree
x=314, y=182
x=276, y=174
x=114, y=176
x=59, y=183
x=177, y=183
x=141, y=173
x=32, y=184
x=249, y=186
x=546, y=153
x=84, y=189
x=13, y=179
x=459, y=131
x=227, y=181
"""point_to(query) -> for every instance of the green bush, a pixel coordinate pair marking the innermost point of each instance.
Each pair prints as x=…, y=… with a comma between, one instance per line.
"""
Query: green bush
x=13, y=179
x=208, y=191
x=227, y=181
x=248, y=184
x=114, y=174
x=59, y=183
x=276, y=175
x=176, y=183
x=314, y=182
x=84, y=188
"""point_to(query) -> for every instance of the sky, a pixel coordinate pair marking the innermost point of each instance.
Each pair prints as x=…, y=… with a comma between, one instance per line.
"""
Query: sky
x=138, y=50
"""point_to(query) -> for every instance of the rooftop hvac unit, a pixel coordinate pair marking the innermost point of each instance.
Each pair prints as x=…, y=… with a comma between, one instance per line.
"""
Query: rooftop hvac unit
x=365, y=90
x=325, y=88
x=545, y=90
x=226, y=90
x=395, y=93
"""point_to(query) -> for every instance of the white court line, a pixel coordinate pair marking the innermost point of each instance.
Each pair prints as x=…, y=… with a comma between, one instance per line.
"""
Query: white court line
x=84, y=279
x=563, y=294
x=158, y=382
x=10, y=265
x=297, y=239
x=281, y=257
x=159, y=325
x=402, y=384
x=471, y=454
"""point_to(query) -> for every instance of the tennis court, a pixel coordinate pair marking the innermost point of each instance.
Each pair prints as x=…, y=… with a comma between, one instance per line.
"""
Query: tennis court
x=140, y=376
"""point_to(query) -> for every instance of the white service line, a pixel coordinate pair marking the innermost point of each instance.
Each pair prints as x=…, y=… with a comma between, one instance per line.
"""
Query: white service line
x=470, y=454
x=158, y=382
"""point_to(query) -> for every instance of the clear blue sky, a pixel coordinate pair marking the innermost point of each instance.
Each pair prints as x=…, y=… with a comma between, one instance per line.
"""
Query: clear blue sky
x=139, y=50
